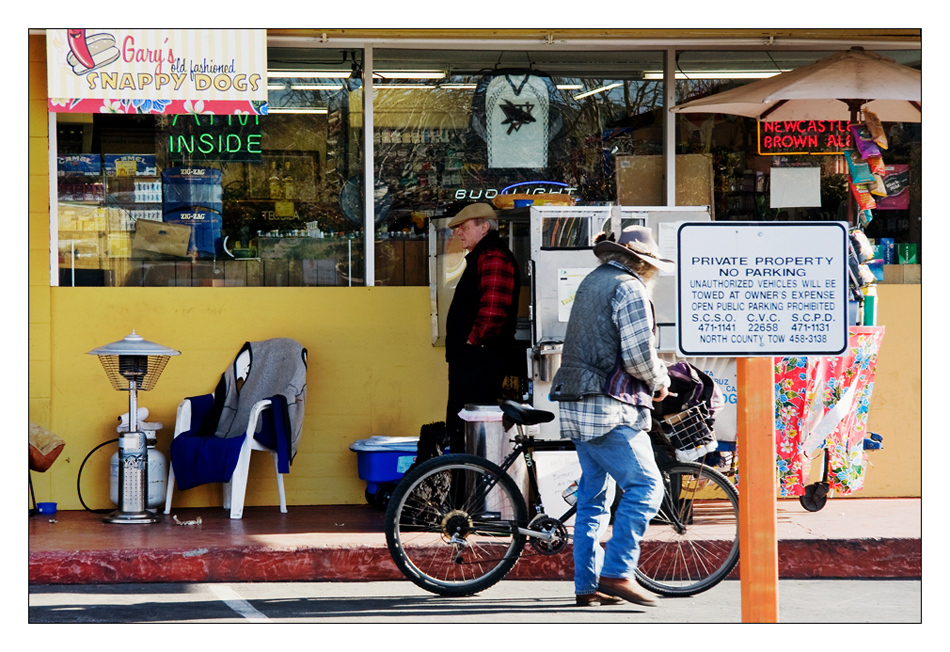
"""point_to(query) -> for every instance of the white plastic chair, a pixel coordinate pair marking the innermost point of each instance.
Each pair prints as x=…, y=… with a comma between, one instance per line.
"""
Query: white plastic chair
x=236, y=489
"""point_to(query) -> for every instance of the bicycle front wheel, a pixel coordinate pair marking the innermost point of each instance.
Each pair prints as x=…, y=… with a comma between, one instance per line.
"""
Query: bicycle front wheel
x=452, y=525
x=693, y=542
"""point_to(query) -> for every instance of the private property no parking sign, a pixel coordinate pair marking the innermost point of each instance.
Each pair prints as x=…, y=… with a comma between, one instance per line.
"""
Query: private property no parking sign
x=762, y=289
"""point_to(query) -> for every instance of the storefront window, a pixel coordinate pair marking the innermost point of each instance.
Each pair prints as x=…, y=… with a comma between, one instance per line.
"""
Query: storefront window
x=740, y=155
x=278, y=199
x=453, y=127
x=220, y=200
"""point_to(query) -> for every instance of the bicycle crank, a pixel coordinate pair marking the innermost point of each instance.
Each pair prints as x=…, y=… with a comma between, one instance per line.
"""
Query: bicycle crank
x=548, y=536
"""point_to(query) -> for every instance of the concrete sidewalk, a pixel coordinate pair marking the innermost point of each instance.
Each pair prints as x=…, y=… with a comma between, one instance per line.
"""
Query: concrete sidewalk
x=849, y=538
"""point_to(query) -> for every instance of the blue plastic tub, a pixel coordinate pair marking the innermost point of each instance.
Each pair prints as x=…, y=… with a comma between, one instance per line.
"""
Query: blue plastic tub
x=381, y=462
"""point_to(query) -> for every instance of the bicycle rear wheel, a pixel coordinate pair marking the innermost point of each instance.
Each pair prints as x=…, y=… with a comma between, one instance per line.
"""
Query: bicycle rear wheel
x=693, y=542
x=452, y=525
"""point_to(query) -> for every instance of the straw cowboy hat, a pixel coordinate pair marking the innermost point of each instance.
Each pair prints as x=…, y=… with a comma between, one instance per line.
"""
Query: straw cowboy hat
x=637, y=240
x=473, y=211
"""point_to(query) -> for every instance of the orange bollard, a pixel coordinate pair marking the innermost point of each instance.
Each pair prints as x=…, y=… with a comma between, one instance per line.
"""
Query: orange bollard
x=758, y=544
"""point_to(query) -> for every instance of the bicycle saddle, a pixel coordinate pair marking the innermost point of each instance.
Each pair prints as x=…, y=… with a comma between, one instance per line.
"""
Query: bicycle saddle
x=523, y=414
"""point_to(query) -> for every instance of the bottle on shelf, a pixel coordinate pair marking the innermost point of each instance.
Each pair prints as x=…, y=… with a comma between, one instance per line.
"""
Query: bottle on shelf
x=288, y=182
x=274, y=182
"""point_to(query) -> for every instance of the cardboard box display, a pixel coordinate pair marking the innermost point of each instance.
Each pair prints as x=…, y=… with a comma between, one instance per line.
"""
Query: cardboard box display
x=85, y=164
x=82, y=253
x=902, y=274
x=160, y=239
x=129, y=165
x=119, y=245
x=640, y=180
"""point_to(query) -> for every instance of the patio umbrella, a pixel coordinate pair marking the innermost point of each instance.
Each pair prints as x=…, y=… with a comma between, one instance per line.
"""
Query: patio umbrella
x=833, y=88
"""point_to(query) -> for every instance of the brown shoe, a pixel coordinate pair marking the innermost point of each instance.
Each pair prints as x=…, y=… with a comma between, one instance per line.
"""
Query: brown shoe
x=627, y=589
x=596, y=600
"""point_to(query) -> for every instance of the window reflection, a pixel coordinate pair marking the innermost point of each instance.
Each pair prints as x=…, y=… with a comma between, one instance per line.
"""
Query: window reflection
x=283, y=201
x=743, y=158
x=482, y=128
x=216, y=200
x=513, y=129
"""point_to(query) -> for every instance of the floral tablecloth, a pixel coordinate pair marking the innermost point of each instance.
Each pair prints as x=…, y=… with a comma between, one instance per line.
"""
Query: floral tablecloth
x=822, y=402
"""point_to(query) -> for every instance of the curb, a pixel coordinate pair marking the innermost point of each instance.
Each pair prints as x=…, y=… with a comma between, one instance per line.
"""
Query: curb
x=798, y=559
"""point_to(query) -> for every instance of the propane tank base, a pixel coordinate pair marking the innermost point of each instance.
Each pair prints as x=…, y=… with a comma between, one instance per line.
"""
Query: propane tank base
x=119, y=516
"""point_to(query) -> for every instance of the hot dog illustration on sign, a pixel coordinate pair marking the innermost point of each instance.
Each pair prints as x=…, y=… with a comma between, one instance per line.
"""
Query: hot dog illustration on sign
x=88, y=53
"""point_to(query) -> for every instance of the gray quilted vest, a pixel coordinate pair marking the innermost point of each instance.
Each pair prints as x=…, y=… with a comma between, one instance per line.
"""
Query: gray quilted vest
x=592, y=341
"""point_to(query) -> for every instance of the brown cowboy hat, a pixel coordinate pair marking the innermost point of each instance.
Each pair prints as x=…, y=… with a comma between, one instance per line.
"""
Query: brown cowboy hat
x=473, y=211
x=637, y=240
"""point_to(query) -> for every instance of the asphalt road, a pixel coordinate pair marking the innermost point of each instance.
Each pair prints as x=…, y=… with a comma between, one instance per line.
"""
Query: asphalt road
x=511, y=601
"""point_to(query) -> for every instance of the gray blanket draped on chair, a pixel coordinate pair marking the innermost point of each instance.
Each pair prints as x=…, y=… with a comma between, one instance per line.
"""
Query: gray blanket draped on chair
x=273, y=369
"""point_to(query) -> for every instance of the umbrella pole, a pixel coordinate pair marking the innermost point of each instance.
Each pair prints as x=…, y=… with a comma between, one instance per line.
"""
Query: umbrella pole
x=854, y=106
x=851, y=217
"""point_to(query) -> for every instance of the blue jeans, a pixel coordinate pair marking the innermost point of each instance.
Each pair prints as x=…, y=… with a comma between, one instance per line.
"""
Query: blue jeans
x=626, y=455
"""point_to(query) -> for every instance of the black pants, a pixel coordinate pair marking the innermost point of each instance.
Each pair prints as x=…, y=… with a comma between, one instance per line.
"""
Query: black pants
x=476, y=376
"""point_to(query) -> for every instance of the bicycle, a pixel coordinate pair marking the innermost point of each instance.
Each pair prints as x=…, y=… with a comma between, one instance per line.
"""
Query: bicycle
x=457, y=524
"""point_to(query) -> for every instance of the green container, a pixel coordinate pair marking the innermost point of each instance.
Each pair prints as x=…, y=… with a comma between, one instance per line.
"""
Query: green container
x=907, y=253
x=870, y=311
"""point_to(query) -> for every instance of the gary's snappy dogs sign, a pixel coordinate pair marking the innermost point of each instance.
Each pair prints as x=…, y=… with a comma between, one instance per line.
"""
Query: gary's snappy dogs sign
x=218, y=71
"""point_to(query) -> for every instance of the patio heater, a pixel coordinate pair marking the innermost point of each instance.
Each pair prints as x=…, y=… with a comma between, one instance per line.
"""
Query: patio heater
x=133, y=364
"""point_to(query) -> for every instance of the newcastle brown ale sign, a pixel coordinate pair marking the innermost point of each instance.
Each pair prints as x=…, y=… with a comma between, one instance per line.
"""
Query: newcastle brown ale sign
x=804, y=137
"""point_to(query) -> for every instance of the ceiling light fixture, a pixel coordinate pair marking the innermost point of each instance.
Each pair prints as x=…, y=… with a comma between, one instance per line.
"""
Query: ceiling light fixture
x=297, y=109
x=418, y=87
x=409, y=74
x=316, y=87
x=598, y=90
x=717, y=74
x=308, y=74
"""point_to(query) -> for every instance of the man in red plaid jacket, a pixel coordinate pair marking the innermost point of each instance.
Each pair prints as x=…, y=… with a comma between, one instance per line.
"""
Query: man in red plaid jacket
x=481, y=323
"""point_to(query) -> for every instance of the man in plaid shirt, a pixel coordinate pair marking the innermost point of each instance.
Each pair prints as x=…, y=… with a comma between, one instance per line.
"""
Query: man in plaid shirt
x=481, y=322
x=606, y=384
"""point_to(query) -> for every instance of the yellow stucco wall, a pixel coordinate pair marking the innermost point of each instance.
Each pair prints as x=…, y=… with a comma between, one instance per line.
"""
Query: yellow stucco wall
x=896, y=401
x=373, y=369
x=38, y=289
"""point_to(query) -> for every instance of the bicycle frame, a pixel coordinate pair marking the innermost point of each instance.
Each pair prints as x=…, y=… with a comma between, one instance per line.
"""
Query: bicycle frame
x=525, y=446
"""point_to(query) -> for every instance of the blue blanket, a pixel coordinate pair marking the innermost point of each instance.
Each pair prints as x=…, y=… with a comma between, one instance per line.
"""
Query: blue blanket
x=209, y=451
x=199, y=457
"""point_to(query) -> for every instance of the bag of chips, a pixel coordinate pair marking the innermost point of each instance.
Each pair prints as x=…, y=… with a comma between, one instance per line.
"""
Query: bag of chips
x=876, y=164
x=863, y=141
x=865, y=275
x=861, y=244
x=863, y=197
x=877, y=186
x=860, y=170
x=876, y=128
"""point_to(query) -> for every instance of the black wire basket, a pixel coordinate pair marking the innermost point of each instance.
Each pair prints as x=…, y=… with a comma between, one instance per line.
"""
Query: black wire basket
x=689, y=433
